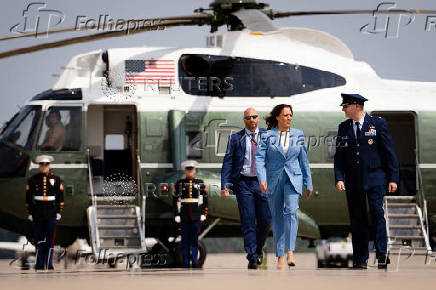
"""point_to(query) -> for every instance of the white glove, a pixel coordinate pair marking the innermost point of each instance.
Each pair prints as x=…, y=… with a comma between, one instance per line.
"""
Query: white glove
x=58, y=216
x=177, y=219
x=202, y=217
x=30, y=218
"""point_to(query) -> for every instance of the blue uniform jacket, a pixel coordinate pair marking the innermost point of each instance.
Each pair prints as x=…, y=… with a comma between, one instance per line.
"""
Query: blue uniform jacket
x=234, y=158
x=271, y=160
x=370, y=161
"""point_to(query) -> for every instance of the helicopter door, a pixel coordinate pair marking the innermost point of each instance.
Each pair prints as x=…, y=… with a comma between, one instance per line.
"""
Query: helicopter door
x=112, y=140
x=402, y=128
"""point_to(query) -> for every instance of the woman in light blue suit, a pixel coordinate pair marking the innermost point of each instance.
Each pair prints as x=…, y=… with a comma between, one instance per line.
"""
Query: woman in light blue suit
x=282, y=168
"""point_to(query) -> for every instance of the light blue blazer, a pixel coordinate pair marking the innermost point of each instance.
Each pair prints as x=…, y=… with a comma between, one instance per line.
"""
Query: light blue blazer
x=271, y=160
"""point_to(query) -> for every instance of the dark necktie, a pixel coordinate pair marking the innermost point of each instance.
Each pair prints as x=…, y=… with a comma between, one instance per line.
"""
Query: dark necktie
x=357, y=130
x=253, y=153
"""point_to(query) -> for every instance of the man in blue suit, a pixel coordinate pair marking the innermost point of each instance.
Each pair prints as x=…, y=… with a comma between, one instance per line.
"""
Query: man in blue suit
x=365, y=165
x=238, y=173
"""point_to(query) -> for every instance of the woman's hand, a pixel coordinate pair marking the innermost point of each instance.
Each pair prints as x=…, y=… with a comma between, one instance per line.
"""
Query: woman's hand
x=308, y=193
x=263, y=187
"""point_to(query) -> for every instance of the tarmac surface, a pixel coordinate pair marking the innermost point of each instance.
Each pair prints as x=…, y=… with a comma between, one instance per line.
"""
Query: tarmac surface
x=225, y=272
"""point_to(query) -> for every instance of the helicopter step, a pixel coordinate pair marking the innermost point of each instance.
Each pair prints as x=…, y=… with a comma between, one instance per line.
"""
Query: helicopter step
x=406, y=226
x=116, y=229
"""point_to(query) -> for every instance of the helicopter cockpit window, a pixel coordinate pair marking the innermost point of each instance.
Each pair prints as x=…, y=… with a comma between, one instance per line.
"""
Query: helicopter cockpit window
x=62, y=129
x=21, y=130
x=221, y=139
x=216, y=75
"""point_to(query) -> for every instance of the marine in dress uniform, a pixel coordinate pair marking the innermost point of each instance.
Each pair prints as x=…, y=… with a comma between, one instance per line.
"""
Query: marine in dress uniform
x=44, y=203
x=190, y=209
x=365, y=166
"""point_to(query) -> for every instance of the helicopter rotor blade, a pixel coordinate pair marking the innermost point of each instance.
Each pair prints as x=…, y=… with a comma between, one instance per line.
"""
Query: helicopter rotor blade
x=280, y=14
x=198, y=16
x=103, y=35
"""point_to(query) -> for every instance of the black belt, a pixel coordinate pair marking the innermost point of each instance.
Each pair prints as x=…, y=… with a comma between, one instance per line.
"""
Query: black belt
x=248, y=177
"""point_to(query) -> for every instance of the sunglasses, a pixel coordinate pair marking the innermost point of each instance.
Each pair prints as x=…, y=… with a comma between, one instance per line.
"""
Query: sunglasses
x=44, y=163
x=249, y=117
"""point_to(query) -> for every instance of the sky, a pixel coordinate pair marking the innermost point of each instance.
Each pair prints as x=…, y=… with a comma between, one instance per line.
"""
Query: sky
x=404, y=51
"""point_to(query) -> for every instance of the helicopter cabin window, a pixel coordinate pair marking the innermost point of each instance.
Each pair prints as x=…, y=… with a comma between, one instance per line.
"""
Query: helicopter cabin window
x=194, y=145
x=331, y=143
x=222, y=138
x=62, y=129
x=217, y=75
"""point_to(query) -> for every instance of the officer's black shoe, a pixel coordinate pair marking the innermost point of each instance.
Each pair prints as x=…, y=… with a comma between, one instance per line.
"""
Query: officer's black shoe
x=383, y=261
x=252, y=265
x=259, y=259
x=39, y=268
x=360, y=266
x=50, y=268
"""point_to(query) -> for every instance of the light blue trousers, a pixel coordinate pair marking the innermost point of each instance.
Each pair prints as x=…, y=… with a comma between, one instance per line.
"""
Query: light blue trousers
x=283, y=204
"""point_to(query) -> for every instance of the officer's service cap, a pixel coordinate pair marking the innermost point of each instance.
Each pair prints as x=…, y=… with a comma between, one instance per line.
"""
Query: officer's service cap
x=348, y=99
x=188, y=164
x=44, y=159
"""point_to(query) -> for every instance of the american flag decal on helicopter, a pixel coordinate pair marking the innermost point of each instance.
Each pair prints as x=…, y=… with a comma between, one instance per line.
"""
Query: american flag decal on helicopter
x=150, y=71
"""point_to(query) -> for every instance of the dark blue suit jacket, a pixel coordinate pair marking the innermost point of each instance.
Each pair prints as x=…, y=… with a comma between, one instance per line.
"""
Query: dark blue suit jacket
x=370, y=161
x=234, y=158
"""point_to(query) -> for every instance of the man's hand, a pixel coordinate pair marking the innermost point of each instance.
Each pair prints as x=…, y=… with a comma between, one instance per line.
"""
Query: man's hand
x=30, y=218
x=177, y=219
x=340, y=186
x=202, y=217
x=308, y=193
x=58, y=216
x=392, y=187
x=225, y=193
x=263, y=187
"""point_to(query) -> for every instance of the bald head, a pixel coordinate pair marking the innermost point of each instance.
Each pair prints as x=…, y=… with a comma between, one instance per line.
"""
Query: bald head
x=251, y=119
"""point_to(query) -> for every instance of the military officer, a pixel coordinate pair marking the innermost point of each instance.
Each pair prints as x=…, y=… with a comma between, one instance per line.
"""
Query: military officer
x=365, y=166
x=190, y=208
x=44, y=204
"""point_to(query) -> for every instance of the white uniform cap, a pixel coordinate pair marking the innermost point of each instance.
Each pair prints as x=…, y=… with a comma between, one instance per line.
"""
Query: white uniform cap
x=44, y=159
x=189, y=163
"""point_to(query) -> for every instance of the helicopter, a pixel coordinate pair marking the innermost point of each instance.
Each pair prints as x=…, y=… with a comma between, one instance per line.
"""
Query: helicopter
x=132, y=115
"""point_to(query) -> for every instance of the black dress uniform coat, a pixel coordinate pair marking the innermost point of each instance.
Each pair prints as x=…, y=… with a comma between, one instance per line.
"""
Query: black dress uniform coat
x=188, y=191
x=370, y=161
x=44, y=196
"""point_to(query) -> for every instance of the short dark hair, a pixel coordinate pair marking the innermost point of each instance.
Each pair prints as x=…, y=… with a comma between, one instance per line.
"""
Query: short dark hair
x=271, y=120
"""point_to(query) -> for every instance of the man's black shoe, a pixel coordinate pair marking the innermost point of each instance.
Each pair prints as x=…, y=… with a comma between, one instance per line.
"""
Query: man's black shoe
x=259, y=259
x=252, y=265
x=360, y=266
x=197, y=266
x=50, y=268
x=383, y=261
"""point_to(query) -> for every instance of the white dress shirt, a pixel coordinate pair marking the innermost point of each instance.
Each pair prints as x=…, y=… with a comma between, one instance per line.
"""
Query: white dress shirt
x=284, y=140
